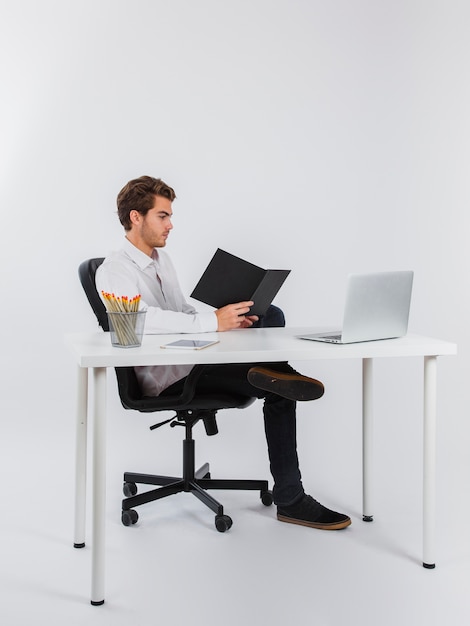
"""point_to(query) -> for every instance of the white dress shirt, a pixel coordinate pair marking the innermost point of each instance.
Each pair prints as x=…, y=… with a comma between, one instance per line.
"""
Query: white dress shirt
x=130, y=272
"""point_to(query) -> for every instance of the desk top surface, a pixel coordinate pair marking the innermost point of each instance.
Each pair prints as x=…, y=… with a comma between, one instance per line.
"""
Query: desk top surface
x=245, y=346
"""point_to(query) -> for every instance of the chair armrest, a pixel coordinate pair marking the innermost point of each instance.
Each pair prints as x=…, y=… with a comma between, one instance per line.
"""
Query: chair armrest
x=131, y=398
x=189, y=390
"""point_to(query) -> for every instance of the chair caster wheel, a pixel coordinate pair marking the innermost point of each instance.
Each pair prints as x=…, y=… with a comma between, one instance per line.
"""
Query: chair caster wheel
x=129, y=489
x=266, y=498
x=223, y=523
x=129, y=517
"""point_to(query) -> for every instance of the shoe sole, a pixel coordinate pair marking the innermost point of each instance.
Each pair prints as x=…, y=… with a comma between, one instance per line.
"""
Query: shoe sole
x=333, y=526
x=286, y=385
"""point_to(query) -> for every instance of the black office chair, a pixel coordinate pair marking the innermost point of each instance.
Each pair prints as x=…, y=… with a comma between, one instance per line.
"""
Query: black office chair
x=190, y=407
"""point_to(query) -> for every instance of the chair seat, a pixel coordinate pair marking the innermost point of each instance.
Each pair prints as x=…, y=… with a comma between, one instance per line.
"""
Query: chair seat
x=146, y=404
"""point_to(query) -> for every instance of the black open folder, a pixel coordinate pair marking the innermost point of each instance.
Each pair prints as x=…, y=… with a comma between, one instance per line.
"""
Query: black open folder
x=229, y=279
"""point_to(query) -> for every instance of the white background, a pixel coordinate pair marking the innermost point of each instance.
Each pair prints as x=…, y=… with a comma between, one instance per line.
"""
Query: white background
x=322, y=137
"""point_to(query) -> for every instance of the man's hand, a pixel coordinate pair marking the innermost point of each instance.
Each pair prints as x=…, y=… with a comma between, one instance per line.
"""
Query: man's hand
x=249, y=321
x=235, y=316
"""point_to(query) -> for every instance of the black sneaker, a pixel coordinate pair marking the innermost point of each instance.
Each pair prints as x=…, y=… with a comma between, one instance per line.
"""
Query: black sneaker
x=288, y=384
x=309, y=512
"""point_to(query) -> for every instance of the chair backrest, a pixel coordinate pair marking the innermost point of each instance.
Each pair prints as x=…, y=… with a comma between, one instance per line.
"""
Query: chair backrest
x=86, y=273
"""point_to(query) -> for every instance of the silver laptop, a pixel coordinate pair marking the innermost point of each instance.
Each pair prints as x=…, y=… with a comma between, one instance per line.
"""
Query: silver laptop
x=377, y=307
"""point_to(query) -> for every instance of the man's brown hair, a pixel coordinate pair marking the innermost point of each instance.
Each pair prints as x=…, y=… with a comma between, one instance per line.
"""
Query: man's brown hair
x=139, y=195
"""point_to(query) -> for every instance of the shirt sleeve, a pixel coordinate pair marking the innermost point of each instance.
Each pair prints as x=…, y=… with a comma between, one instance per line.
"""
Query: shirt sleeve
x=160, y=321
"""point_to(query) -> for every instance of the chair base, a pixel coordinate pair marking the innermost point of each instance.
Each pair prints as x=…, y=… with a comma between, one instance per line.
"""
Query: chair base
x=193, y=481
x=198, y=484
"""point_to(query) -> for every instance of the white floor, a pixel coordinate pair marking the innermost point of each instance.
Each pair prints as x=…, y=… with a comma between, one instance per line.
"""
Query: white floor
x=174, y=568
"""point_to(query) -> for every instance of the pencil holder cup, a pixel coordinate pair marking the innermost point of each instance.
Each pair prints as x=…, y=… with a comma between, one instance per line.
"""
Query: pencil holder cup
x=126, y=328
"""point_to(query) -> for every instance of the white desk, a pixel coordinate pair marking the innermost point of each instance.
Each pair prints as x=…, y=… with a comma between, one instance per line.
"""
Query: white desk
x=93, y=351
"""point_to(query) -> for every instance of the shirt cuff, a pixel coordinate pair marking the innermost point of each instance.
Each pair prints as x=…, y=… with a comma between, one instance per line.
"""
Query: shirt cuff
x=208, y=321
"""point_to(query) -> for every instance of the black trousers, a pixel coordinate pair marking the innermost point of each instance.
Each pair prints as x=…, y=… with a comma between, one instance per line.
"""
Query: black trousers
x=279, y=415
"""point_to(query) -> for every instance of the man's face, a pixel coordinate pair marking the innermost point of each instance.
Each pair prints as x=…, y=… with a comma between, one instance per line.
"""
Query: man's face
x=153, y=228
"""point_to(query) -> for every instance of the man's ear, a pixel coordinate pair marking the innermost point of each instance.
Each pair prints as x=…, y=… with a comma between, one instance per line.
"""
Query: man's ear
x=135, y=217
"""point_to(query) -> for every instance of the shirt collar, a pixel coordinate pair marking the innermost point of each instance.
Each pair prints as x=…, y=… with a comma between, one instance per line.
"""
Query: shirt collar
x=139, y=257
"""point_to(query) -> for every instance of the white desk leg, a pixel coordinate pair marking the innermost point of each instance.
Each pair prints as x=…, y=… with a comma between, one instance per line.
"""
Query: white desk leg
x=99, y=486
x=429, y=462
x=367, y=438
x=80, y=458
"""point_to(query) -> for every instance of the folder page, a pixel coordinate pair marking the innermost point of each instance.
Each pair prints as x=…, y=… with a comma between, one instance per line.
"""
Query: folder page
x=229, y=279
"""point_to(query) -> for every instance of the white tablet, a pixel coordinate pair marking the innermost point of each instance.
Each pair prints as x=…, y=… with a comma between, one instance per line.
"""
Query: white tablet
x=191, y=344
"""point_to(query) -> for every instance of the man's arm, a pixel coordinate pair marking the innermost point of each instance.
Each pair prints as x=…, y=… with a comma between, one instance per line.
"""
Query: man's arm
x=122, y=280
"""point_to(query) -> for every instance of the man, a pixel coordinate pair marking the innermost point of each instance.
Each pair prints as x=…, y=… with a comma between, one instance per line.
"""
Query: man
x=142, y=267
